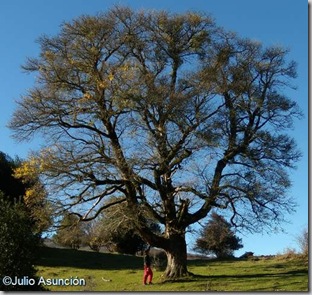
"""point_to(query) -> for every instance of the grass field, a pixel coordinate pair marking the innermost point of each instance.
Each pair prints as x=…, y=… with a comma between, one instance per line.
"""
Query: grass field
x=113, y=272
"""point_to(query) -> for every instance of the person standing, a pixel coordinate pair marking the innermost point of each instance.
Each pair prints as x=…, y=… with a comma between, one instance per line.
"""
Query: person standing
x=148, y=273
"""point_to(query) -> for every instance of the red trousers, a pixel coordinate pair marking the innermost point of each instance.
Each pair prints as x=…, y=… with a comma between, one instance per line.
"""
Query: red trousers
x=148, y=274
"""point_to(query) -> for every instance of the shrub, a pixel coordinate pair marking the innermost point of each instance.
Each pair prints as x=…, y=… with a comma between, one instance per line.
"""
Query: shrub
x=18, y=244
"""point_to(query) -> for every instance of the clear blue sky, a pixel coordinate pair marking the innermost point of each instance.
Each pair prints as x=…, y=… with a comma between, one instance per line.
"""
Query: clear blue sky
x=283, y=22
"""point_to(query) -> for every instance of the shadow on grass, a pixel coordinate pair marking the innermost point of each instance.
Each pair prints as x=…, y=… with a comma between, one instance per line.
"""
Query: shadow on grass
x=253, y=275
x=55, y=257
x=204, y=262
x=198, y=278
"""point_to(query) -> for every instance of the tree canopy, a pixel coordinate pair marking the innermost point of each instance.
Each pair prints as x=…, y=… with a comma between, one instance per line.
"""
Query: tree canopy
x=168, y=113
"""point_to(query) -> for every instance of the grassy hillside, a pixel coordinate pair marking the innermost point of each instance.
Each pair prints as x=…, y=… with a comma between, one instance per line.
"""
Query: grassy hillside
x=113, y=272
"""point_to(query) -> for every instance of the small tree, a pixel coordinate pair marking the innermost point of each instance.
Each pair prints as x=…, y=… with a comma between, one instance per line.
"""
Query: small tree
x=70, y=233
x=93, y=238
x=218, y=238
x=303, y=241
x=35, y=195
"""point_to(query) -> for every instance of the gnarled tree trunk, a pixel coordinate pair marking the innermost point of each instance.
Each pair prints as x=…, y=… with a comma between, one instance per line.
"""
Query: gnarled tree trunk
x=176, y=258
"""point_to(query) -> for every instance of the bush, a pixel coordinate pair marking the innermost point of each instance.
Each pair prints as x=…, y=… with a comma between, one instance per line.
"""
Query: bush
x=18, y=244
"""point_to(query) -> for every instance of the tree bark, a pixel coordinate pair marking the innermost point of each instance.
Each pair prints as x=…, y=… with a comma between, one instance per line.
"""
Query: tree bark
x=176, y=258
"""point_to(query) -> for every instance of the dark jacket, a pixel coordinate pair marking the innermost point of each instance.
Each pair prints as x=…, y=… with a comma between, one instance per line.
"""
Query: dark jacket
x=147, y=261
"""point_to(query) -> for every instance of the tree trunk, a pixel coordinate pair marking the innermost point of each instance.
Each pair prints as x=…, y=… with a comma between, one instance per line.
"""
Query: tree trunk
x=176, y=258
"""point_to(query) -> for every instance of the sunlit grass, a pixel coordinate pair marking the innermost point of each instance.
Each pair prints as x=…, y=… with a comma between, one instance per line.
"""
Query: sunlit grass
x=112, y=272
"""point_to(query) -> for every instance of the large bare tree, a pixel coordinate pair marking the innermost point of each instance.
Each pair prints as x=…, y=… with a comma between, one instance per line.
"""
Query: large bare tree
x=168, y=114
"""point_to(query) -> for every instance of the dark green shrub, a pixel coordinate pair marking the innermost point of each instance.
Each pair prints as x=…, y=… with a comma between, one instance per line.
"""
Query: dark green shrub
x=18, y=245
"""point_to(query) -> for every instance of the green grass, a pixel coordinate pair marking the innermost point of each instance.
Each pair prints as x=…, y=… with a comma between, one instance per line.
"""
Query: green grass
x=113, y=272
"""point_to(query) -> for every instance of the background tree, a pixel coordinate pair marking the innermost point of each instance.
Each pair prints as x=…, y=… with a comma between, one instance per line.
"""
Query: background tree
x=19, y=230
x=303, y=241
x=70, y=233
x=93, y=238
x=34, y=195
x=19, y=185
x=168, y=113
x=116, y=231
x=218, y=238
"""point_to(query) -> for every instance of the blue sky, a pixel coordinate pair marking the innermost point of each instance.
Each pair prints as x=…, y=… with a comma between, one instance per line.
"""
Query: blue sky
x=282, y=22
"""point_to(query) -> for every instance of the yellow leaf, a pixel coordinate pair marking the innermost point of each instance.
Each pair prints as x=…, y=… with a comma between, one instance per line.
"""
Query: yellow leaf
x=102, y=85
x=110, y=77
